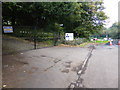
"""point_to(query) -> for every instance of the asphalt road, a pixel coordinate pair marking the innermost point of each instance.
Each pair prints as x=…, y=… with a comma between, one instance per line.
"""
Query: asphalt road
x=54, y=67
x=57, y=67
x=102, y=68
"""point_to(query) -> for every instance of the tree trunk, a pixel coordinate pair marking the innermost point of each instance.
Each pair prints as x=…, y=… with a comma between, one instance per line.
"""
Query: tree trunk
x=13, y=21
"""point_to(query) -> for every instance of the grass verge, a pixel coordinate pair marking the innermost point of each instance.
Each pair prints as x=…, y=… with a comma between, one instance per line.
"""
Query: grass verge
x=84, y=44
x=101, y=42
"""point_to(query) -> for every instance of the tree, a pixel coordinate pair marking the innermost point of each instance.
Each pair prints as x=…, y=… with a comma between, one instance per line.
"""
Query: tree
x=9, y=13
x=81, y=18
x=87, y=18
x=113, y=31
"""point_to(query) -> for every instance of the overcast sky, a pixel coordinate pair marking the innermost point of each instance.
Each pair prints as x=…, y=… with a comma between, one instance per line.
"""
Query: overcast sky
x=111, y=11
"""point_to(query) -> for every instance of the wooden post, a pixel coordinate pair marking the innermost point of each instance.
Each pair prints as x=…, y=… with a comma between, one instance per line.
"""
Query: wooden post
x=35, y=38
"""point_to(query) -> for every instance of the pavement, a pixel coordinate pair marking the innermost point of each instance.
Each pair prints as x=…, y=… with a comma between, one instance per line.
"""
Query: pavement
x=54, y=67
x=102, y=68
x=57, y=67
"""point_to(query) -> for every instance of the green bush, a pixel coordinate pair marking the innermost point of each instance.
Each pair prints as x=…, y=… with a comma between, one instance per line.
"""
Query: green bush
x=75, y=42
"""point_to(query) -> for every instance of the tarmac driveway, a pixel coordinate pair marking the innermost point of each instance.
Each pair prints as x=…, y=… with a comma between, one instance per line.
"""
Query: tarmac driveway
x=54, y=67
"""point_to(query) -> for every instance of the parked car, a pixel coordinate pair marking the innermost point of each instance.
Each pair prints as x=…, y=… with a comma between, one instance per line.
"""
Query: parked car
x=105, y=39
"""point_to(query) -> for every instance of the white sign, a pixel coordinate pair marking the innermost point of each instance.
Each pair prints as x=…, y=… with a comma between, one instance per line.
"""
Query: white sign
x=69, y=36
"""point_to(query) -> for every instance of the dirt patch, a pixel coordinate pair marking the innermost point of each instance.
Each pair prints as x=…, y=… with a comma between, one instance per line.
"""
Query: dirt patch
x=32, y=70
x=56, y=60
x=21, y=62
x=68, y=66
x=43, y=56
x=35, y=68
x=65, y=71
x=36, y=56
x=11, y=67
x=76, y=68
x=69, y=62
x=49, y=68
x=13, y=63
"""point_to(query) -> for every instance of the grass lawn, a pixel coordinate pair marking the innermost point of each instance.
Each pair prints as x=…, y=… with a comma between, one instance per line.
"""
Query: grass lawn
x=101, y=42
x=93, y=43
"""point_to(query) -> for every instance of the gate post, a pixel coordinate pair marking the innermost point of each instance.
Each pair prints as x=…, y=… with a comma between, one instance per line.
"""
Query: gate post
x=35, y=33
x=35, y=38
x=55, y=39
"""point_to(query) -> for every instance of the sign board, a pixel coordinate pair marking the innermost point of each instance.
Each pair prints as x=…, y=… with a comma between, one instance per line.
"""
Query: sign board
x=69, y=36
x=8, y=29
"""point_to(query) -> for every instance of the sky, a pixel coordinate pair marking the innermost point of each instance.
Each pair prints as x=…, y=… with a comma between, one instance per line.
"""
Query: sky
x=111, y=10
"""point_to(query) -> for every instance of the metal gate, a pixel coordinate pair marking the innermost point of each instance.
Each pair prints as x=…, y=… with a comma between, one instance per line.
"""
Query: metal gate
x=27, y=38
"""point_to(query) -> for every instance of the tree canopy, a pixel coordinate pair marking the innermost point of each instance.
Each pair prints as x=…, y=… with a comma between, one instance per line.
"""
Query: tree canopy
x=113, y=31
x=82, y=18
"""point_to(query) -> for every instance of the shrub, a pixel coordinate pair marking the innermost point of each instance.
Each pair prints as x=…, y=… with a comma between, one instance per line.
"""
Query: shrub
x=75, y=42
